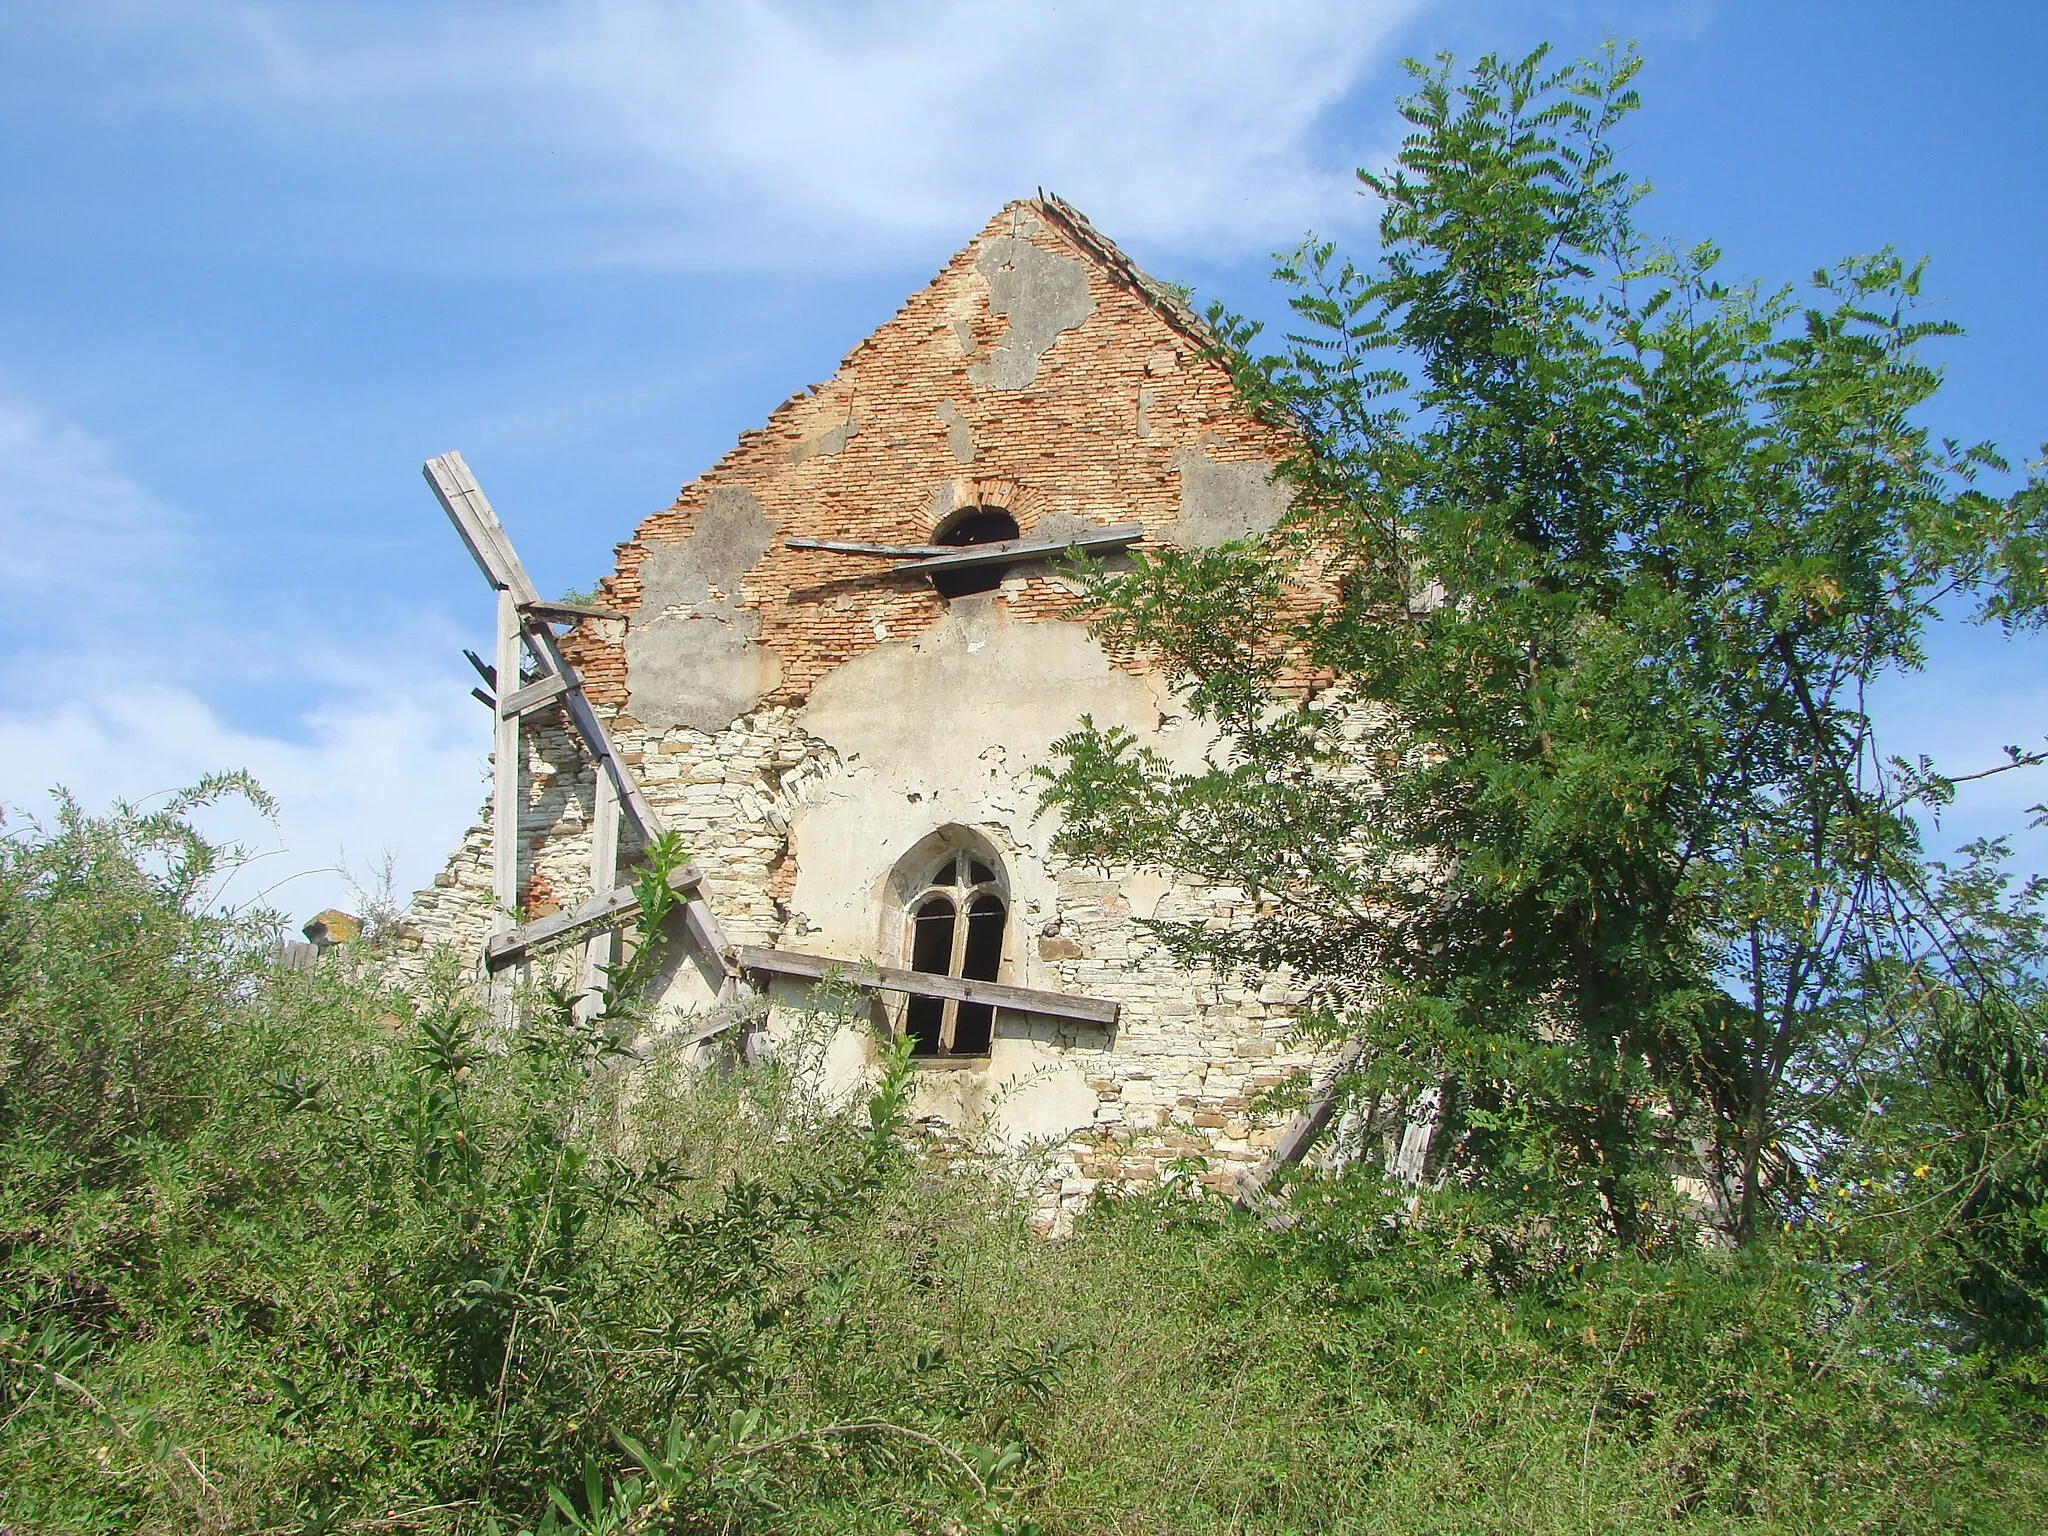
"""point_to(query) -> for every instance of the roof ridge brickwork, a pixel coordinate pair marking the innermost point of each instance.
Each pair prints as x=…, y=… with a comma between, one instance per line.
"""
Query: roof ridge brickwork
x=1040, y=371
x=1164, y=298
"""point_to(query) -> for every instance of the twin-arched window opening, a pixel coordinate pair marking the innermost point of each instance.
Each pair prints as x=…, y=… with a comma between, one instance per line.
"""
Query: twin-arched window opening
x=956, y=929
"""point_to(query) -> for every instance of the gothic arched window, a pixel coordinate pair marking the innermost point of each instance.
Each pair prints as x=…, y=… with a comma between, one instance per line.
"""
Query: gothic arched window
x=956, y=929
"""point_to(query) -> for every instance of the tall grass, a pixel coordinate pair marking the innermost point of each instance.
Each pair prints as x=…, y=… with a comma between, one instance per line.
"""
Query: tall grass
x=288, y=1252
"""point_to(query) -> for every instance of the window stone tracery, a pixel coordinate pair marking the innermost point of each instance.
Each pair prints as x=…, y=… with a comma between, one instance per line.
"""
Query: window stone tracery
x=956, y=925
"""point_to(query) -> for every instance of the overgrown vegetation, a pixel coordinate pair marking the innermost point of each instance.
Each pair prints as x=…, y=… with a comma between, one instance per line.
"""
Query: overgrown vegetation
x=1635, y=895
x=1597, y=557
x=282, y=1252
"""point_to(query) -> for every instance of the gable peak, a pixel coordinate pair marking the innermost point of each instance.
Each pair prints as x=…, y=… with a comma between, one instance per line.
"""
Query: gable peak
x=1105, y=255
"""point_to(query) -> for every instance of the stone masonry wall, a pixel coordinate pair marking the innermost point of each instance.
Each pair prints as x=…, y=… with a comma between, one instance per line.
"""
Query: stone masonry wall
x=803, y=717
x=1192, y=1050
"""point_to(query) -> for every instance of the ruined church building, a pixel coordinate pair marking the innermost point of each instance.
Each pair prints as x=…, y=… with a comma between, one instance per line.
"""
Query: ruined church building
x=833, y=664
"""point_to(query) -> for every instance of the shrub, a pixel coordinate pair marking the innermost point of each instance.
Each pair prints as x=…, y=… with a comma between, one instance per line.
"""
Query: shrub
x=323, y=1257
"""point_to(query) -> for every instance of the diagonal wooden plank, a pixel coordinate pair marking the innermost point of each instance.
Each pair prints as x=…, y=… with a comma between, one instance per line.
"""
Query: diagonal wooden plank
x=1009, y=550
x=470, y=511
x=614, y=907
x=596, y=739
x=702, y=923
x=1302, y=1130
x=445, y=477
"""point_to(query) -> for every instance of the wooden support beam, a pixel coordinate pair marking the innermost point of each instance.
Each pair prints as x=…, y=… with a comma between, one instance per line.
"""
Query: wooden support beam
x=468, y=509
x=703, y=925
x=505, y=777
x=709, y=1031
x=1309, y=1123
x=597, y=740
x=526, y=618
x=1009, y=550
x=786, y=962
x=892, y=551
x=929, y=557
x=567, y=613
x=600, y=950
x=489, y=545
x=614, y=907
x=524, y=701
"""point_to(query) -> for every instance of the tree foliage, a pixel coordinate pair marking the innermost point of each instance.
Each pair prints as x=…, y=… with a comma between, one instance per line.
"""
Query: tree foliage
x=1593, y=557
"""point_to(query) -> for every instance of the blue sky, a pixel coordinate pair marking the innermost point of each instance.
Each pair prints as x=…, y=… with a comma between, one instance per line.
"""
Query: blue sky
x=259, y=260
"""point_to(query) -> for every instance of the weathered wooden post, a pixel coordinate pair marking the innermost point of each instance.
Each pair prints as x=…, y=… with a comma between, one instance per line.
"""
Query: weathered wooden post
x=525, y=628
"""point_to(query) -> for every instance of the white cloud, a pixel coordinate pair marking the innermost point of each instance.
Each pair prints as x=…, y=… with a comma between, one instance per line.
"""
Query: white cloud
x=387, y=767
x=1193, y=122
x=745, y=130
x=105, y=653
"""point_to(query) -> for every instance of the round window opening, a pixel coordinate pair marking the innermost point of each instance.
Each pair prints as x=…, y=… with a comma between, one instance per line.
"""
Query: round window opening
x=976, y=525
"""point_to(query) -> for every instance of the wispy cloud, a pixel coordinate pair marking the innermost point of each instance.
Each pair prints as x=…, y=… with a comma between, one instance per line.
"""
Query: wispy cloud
x=383, y=767
x=114, y=627
x=1195, y=122
x=71, y=521
x=757, y=132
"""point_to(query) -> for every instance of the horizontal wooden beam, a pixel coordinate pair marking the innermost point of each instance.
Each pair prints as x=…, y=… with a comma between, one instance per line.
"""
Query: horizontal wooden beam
x=954, y=557
x=1060, y=1005
x=614, y=908
x=525, y=700
x=892, y=551
x=568, y=613
x=1009, y=550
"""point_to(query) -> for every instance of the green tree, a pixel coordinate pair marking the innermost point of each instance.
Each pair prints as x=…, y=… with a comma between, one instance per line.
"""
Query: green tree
x=1928, y=1124
x=1600, y=554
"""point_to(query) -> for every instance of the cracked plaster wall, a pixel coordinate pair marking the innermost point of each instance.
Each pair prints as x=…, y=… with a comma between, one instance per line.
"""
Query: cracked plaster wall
x=1223, y=501
x=1041, y=294
x=989, y=695
x=801, y=720
x=693, y=653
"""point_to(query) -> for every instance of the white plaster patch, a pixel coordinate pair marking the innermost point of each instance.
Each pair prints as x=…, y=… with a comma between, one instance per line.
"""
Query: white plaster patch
x=959, y=435
x=832, y=440
x=1220, y=502
x=1041, y=295
x=946, y=729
